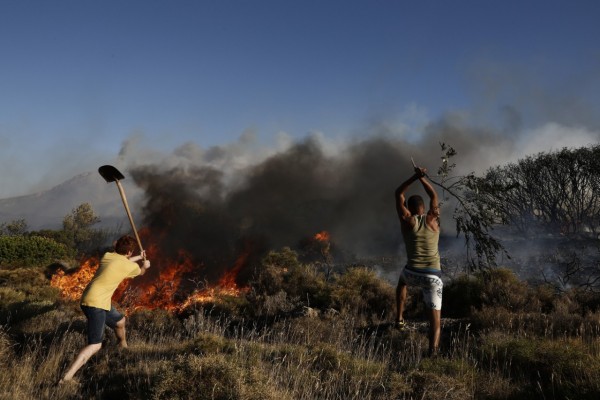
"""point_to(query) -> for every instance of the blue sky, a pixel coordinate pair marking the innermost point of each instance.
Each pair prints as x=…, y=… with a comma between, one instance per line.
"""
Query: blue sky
x=77, y=78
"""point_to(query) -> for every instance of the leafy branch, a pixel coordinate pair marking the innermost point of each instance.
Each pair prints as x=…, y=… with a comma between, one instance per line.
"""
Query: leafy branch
x=473, y=219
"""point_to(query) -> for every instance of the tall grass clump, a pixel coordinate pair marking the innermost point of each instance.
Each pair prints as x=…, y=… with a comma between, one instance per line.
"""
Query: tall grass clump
x=562, y=369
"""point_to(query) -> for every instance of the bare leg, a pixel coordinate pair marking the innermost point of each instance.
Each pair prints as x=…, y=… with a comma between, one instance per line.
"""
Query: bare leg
x=400, y=300
x=120, y=333
x=434, y=330
x=83, y=356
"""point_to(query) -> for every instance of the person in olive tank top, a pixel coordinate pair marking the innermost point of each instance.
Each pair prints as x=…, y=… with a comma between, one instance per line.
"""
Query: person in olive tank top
x=421, y=232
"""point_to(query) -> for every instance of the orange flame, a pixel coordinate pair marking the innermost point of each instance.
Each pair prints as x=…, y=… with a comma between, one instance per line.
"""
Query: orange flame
x=72, y=285
x=322, y=236
x=163, y=286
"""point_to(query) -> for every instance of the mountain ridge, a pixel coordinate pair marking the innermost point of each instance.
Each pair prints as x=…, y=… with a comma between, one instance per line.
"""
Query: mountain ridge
x=47, y=209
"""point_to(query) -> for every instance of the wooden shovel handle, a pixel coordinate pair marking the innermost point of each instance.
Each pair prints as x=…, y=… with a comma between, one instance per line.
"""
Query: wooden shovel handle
x=137, y=237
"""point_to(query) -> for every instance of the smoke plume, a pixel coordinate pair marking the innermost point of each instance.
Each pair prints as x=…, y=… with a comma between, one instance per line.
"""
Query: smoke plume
x=241, y=198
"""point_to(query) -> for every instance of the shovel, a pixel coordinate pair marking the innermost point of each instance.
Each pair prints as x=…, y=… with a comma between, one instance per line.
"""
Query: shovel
x=111, y=174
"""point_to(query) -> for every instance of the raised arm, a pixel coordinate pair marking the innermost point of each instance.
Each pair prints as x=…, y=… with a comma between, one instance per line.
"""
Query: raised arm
x=433, y=215
x=403, y=212
x=145, y=264
x=433, y=197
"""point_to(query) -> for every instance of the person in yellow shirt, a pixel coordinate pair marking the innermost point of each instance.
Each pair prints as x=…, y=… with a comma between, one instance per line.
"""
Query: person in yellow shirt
x=96, y=299
x=421, y=233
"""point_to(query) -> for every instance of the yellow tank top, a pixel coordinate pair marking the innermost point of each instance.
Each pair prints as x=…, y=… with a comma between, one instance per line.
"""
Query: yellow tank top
x=422, y=246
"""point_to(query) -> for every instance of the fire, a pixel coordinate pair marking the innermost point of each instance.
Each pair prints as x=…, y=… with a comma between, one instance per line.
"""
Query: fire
x=72, y=285
x=162, y=287
x=322, y=236
x=323, y=239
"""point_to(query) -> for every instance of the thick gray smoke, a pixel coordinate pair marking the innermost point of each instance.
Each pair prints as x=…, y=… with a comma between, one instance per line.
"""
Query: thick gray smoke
x=221, y=202
x=280, y=201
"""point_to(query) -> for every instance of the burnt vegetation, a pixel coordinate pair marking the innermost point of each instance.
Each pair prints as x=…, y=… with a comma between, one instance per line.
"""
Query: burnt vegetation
x=315, y=322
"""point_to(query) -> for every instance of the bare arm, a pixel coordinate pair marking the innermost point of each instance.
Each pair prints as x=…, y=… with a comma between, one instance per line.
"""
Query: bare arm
x=433, y=197
x=403, y=212
x=146, y=263
x=433, y=214
x=142, y=256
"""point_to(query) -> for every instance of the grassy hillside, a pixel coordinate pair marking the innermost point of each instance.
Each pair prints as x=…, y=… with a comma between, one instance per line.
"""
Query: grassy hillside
x=299, y=335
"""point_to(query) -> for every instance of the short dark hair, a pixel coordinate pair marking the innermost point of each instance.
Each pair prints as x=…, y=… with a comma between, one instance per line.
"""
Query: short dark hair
x=125, y=244
x=414, y=202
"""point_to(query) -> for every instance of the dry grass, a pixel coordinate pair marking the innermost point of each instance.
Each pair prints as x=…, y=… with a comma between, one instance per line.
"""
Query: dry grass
x=515, y=342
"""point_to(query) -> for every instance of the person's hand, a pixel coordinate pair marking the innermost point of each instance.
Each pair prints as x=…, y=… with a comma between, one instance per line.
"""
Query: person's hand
x=420, y=172
x=146, y=264
x=143, y=255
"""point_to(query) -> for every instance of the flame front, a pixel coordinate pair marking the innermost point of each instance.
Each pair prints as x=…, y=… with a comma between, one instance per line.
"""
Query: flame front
x=164, y=289
x=72, y=285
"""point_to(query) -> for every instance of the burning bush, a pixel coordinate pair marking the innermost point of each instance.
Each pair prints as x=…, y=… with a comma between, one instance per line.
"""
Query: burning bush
x=171, y=284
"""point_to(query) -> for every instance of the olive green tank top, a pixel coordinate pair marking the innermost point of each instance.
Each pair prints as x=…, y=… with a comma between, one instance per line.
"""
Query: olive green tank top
x=422, y=246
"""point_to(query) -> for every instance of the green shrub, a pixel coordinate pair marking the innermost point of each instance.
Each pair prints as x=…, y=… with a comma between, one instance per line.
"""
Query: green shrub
x=307, y=283
x=282, y=284
x=461, y=295
x=501, y=287
x=360, y=290
x=284, y=259
x=271, y=274
x=493, y=288
x=31, y=251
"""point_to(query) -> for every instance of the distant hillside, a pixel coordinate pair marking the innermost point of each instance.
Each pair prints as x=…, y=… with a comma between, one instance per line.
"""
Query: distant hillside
x=47, y=209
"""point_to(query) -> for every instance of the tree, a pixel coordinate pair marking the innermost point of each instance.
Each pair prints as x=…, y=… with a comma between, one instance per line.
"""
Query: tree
x=77, y=228
x=14, y=228
x=554, y=196
x=554, y=193
x=473, y=218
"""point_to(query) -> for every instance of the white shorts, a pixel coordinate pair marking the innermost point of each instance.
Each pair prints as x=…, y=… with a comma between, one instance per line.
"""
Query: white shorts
x=431, y=286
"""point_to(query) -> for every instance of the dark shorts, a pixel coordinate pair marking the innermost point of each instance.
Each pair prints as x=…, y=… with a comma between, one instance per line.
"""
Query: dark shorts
x=96, y=319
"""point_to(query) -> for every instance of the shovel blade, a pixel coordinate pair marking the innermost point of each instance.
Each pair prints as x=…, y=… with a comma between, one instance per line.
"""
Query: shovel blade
x=110, y=173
